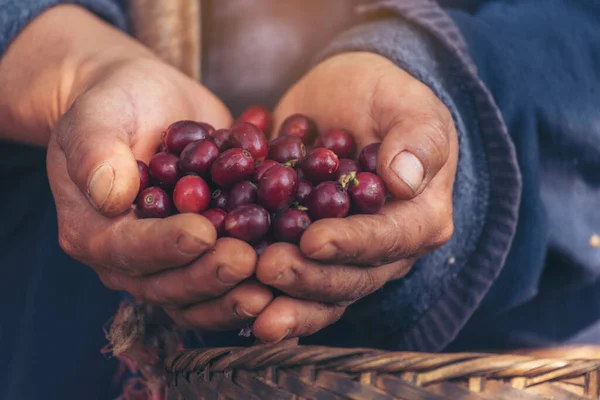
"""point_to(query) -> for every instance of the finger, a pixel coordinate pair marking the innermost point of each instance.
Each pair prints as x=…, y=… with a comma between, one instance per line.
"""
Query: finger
x=129, y=245
x=413, y=152
x=95, y=137
x=286, y=318
x=224, y=266
x=402, y=229
x=231, y=311
x=285, y=268
x=136, y=247
x=147, y=246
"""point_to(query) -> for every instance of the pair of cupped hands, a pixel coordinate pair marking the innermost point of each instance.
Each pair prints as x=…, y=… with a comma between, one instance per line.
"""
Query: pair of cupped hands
x=112, y=110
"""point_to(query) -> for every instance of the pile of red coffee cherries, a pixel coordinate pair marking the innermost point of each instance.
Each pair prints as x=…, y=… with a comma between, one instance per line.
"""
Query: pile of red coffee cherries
x=257, y=191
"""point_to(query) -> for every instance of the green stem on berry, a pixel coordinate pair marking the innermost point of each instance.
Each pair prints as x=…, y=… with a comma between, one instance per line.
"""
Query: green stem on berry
x=297, y=206
x=291, y=163
x=348, y=178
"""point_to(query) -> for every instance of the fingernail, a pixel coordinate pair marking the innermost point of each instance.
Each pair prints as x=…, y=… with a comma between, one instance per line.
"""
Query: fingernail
x=101, y=184
x=281, y=339
x=189, y=244
x=410, y=169
x=285, y=278
x=242, y=314
x=326, y=252
x=225, y=276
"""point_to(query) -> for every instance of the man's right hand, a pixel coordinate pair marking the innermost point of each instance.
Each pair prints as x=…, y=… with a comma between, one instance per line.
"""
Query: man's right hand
x=114, y=114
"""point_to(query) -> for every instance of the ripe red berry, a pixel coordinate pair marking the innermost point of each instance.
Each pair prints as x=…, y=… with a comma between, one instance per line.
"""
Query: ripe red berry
x=217, y=217
x=368, y=158
x=320, y=165
x=164, y=168
x=191, y=195
x=346, y=166
x=258, y=116
x=262, y=167
x=290, y=225
x=249, y=138
x=303, y=192
x=181, y=133
x=232, y=166
x=209, y=128
x=249, y=223
x=219, y=199
x=300, y=126
x=287, y=148
x=221, y=138
x=339, y=141
x=153, y=202
x=144, y=175
x=197, y=157
x=328, y=200
x=243, y=192
x=367, y=192
x=277, y=187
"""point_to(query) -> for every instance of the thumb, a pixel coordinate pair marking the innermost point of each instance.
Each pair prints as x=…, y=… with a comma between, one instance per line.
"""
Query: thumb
x=95, y=137
x=412, y=153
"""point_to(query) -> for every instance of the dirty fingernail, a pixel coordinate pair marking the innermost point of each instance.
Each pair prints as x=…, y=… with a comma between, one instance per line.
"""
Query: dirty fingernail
x=285, y=278
x=242, y=314
x=325, y=252
x=409, y=168
x=189, y=244
x=226, y=277
x=101, y=184
x=282, y=338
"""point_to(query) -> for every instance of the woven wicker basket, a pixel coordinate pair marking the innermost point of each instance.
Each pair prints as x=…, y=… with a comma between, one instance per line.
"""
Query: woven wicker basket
x=306, y=372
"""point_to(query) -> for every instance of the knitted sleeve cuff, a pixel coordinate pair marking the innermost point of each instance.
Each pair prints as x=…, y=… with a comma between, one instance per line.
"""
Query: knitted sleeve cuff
x=16, y=14
x=425, y=310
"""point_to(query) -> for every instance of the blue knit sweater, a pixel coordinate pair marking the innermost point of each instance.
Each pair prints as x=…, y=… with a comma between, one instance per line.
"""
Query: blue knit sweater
x=522, y=80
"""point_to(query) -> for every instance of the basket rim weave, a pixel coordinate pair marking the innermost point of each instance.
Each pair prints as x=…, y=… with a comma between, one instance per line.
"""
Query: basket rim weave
x=285, y=371
x=427, y=368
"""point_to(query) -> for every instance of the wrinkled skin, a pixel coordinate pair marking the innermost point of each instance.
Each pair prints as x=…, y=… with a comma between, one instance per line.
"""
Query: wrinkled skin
x=379, y=102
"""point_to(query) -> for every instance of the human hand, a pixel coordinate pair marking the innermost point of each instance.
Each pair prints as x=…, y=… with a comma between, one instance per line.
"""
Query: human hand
x=109, y=110
x=342, y=260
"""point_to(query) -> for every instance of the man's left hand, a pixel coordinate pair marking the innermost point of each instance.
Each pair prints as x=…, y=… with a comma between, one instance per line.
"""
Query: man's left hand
x=340, y=261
